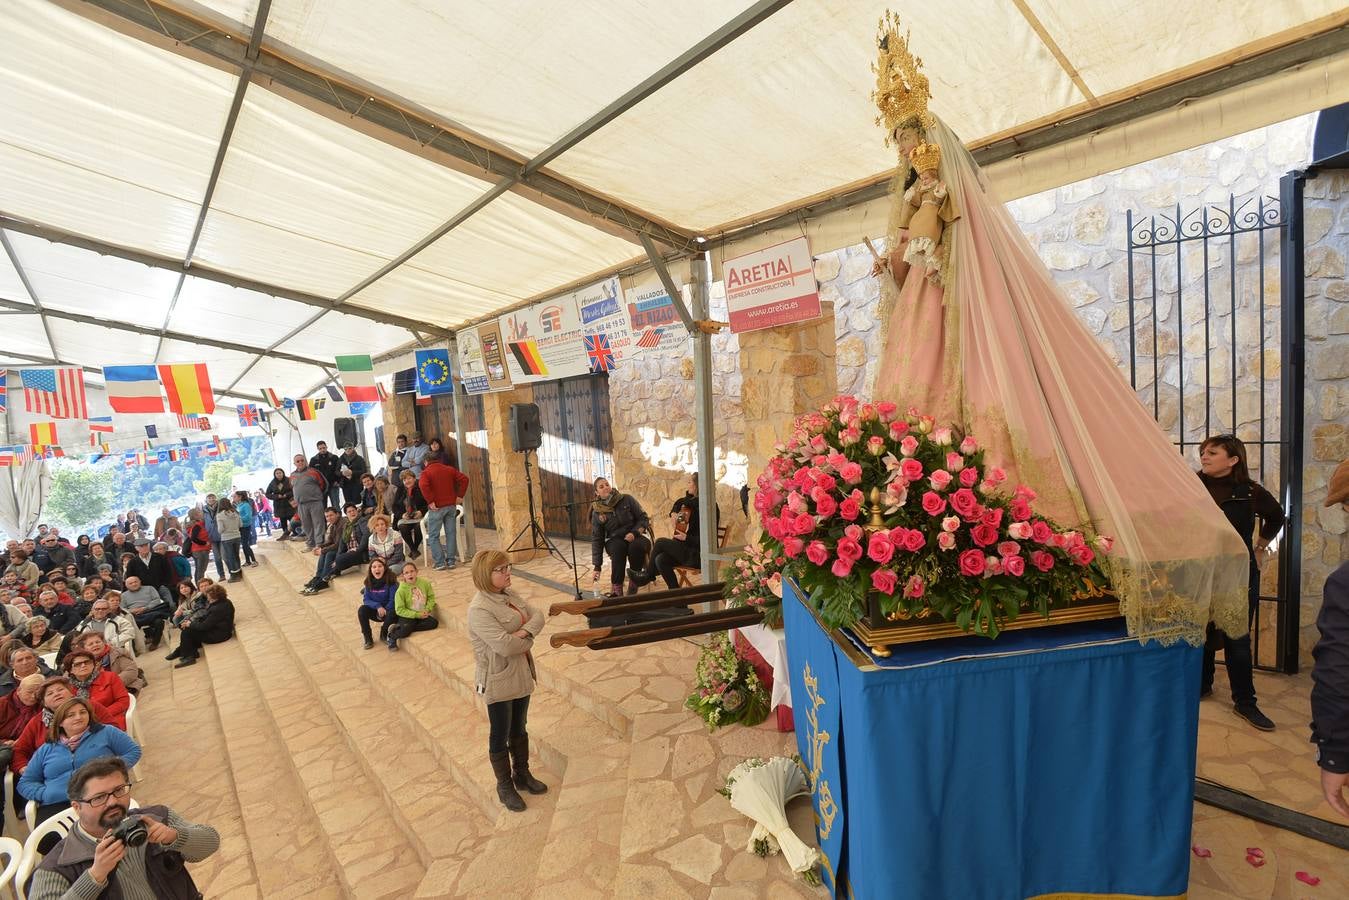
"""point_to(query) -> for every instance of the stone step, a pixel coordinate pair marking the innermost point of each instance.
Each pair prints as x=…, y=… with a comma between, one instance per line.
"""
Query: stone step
x=339, y=753
x=584, y=761
x=292, y=856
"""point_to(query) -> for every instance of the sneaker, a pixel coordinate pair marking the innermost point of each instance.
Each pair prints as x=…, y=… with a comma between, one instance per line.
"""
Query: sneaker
x=1253, y=715
x=369, y=643
x=441, y=568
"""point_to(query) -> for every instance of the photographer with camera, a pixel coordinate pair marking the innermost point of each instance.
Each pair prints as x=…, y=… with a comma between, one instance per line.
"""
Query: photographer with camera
x=113, y=852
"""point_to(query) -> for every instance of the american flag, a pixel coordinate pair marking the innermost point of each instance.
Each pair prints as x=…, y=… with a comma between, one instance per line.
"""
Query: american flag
x=650, y=338
x=188, y=420
x=58, y=393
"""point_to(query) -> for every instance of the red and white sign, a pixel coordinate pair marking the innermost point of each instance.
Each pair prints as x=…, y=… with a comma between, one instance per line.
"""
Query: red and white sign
x=770, y=287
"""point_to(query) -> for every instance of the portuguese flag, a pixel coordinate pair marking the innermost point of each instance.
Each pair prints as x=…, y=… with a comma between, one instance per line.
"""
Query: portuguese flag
x=527, y=354
x=188, y=387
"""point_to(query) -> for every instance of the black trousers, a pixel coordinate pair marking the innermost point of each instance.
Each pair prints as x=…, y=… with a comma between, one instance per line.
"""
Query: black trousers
x=506, y=719
x=189, y=645
x=412, y=535
x=669, y=553
x=623, y=553
x=365, y=615
x=1236, y=652
x=349, y=558
x=153, y=624
x=406, y=626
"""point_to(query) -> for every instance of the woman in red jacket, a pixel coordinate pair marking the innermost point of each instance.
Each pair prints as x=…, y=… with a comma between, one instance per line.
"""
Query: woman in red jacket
x=93, y=682
x=198, y=543
x=54, y=691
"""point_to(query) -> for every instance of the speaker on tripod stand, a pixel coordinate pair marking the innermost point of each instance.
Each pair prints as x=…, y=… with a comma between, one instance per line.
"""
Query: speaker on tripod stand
x=527, y=436
x=525, y=431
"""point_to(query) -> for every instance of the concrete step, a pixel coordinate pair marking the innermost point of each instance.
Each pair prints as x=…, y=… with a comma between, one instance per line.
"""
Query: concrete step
x=292, y=855
x=346, y=760
x=584, y=761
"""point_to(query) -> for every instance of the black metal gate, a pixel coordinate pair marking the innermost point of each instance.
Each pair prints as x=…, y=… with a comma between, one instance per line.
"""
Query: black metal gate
x=1244, y=305
x=436, y=419
x=577, y=448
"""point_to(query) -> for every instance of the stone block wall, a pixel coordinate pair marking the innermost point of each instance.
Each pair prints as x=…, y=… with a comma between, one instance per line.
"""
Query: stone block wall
x=400, y=417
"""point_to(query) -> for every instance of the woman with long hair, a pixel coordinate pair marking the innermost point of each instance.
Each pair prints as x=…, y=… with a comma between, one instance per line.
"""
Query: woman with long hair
x=617, y=523
x=384, y=496
x=282, y=495
x=213, y=625
x=1225, y=474
x=377, y=600
x=502, y=628
x=243, y=505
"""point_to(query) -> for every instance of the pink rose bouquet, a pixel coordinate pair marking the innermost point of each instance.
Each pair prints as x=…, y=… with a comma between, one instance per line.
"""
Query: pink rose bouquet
x=878, y=512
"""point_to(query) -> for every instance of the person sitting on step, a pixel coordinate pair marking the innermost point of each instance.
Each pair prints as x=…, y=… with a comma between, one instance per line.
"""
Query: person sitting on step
x=147, y=607
x=385, y=543
x=502, y=628
x=617, y=521
x=409, y=506
x=352, y=541
x=326, y=547
x=377, y=600
x=682, y=548
x=414, y=605
x=214, y=625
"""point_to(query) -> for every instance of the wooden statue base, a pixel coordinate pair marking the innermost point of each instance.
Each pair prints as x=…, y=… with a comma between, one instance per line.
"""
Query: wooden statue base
x=880, y=638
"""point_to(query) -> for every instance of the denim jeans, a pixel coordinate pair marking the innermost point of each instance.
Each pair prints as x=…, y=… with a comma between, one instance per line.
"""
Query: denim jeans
x=230, y=550
x=217, y=550
x=246, y=542
x=199, y=560
x=443, y=518
x=327, y=561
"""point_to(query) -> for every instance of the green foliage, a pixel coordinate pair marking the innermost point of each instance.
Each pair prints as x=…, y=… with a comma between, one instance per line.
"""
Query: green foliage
x=80, y=495
x=218, y=478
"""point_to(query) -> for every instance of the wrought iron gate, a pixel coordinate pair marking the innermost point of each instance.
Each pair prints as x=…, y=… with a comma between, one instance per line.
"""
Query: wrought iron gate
x=436, y=419
x=1244, y=305
x=577, y=448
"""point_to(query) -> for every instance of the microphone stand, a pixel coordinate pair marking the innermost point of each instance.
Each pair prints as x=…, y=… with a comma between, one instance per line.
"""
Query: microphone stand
x=571, y=534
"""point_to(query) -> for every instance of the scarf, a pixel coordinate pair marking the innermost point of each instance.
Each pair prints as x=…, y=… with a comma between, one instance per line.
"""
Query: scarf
x=82, y=687
x=72, y=743
x=604, y=508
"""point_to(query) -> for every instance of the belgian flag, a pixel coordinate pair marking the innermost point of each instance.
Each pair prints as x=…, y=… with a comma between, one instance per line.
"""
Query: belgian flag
x=527, y=354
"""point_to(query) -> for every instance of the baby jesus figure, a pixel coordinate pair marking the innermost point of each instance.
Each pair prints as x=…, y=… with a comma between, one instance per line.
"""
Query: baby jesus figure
x=928, y=208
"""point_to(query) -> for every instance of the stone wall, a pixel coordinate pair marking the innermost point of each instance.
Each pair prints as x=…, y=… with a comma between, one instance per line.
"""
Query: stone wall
x=651, y=406
x=1325, y=537
x=400, y=417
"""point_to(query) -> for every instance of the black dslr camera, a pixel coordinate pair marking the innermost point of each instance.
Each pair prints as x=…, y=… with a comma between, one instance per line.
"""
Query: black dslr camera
x=131, y=831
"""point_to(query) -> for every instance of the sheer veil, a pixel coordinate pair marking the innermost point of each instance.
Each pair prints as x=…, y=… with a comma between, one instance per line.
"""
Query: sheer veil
x=1038, y=391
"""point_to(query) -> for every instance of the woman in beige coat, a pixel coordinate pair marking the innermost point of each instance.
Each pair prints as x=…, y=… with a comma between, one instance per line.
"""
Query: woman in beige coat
x=502, y=628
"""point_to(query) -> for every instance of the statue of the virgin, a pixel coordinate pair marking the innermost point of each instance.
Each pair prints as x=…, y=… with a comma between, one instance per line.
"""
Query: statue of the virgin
x=977, y=333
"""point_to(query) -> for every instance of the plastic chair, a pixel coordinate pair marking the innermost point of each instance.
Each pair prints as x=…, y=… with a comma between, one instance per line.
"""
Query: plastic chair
x=9, y=804
x=12, y=852
x=131, y=733
x=61, y=823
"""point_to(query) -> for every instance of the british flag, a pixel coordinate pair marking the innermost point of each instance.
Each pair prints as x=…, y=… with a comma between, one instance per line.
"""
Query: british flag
x=601, y=356
x=248, y=414
x=650, y=338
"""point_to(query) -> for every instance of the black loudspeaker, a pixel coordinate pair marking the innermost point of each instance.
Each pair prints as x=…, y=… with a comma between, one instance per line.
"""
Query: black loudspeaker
x=379, y=437
x=525, y=431
x=344, y=432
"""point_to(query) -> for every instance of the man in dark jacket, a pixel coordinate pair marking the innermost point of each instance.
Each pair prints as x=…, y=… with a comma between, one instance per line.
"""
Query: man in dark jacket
x=352, y=467
x=1330, y=670
x=442, y=485
x=330, y=467
x=57, y=555
x=152, y=569
x=83, y=864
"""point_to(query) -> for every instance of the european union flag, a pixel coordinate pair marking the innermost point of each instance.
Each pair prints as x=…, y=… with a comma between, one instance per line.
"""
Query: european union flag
x=433, y=373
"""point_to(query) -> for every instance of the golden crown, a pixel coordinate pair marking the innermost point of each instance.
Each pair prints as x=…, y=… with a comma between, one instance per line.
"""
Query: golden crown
x=902, y=92
x=925, y=157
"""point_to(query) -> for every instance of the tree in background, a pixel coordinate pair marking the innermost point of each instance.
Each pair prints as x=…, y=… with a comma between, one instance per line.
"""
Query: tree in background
x=80, y=495
x=218, y=478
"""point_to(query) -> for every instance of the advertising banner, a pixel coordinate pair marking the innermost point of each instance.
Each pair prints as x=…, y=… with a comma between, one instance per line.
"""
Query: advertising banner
x=770, y=287
x=604, y=324
x=472, y=369
x=494, y=357
x=652, y=317
x=544, y=341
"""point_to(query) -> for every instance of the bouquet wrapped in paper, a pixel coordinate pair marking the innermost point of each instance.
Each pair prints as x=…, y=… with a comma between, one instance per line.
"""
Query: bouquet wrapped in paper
x=760, y=788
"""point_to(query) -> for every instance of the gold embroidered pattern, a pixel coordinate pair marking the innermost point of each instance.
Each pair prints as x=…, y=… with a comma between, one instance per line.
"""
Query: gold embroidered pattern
x=824, y=797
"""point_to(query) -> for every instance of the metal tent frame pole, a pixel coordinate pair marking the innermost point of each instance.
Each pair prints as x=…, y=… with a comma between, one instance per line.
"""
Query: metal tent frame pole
x=470, y=539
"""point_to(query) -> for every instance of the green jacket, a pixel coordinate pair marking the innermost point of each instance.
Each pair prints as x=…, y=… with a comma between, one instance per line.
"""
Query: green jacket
x=402, y=601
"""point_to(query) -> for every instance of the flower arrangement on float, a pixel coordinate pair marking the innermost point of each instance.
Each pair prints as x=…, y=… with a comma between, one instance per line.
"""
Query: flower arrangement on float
x=726, y=690
x=754, y=578
x=862, y=499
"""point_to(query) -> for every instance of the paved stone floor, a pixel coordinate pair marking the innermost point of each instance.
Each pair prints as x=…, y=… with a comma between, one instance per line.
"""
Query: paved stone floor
x=332, y=771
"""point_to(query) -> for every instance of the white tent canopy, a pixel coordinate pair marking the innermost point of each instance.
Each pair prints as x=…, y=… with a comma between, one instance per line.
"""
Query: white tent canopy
x=362, y=176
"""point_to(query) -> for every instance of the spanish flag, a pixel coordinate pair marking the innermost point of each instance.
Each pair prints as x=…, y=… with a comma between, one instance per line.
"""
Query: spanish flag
x=42, y=434
x=188, y=387
x=527, y=355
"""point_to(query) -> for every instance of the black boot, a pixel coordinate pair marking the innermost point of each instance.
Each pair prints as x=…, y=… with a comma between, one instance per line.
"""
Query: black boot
x=641, y=579
x=519, y=751
x=506, y=793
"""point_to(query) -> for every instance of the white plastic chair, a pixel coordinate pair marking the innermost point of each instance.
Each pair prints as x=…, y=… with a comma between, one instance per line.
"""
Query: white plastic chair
x=12, y=852
x=132, y=733
x=61, y=823
x=10, y=820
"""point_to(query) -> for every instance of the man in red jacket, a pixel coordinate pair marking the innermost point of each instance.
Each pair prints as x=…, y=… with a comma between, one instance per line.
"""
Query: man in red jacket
x=442, y=485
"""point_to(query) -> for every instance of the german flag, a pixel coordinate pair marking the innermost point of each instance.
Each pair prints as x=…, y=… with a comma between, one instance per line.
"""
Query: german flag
x=528, y=356
x=309, y=409
x=42, y=433
x=188, y=387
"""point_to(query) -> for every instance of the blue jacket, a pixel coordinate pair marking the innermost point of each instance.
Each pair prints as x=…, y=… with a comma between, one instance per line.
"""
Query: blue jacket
x=50, y=769
x=208, y=517
x=245, y=514
x=380, y=598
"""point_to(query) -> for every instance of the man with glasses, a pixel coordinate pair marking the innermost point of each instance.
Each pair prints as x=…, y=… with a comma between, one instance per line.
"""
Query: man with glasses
x=57, y=554
x=89, y=860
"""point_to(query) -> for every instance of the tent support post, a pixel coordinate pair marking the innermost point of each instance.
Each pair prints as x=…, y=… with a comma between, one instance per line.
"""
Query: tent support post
x=700, y=281
x=470, y=539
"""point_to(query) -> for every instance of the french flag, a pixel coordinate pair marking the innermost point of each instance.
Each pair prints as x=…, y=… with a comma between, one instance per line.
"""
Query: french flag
x=133, y=389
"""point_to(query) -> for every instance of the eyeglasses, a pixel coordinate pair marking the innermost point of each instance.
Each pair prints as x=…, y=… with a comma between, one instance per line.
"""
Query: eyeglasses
x=81, y=663
x=502, y=570
x=100, y=799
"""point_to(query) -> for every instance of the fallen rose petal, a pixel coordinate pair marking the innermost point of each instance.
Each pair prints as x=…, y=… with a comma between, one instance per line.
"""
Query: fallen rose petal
x=1256, y=852
x=1256, y=861
x=1307, y=878
x=1201, y=852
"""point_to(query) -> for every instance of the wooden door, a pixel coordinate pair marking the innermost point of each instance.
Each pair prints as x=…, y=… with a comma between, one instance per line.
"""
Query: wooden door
x=577, y=448
x=436, y=419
